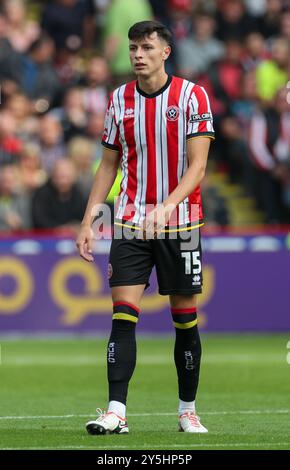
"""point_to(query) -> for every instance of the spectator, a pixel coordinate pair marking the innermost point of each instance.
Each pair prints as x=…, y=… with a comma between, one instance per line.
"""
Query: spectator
x=50, y=141
x=273, y=74
x=68, y=65
x=31, y=174
x=14, y=206
x=180, y=18
x=116, y=35
x=255, y=51
x=81, y=151
x=94, y=130
x=269, y=23
x=21, y=32
x=223, y=84
x=234, y=134
x=25, y=122
x=59, y=203
x=197, y=52
x=70, y=22
x=244, y=107
x=223, y=78
x=179, y=22
x=34, y=73
x=160, y=10
x=285, y=25
x=72, y=114
x=8, y=57
x=96, y=80
x=234, y=147
x=10, y=145
x=269, y=143
x=233, y=21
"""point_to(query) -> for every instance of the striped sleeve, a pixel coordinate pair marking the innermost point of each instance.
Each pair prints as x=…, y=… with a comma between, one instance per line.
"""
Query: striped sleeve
x=199, y=115
x=110, y=138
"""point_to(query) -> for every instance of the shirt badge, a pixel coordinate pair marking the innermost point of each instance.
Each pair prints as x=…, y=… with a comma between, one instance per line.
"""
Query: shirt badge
x=172, y=113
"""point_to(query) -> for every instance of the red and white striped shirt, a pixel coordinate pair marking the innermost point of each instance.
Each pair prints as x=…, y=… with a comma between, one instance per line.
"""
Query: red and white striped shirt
x=150, y=132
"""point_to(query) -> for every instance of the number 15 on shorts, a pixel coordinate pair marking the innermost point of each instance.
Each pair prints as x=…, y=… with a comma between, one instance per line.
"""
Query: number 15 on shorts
x=192, y=262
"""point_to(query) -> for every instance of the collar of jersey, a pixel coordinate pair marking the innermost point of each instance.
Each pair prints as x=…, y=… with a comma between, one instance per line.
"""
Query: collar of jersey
x=156, y=93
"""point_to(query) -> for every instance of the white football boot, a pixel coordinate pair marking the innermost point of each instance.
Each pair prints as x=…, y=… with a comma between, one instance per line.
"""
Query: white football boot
x=107, y=423
x=189, y=422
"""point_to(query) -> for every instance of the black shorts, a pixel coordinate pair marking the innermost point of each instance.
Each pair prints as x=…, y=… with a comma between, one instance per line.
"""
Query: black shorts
x=178, y=262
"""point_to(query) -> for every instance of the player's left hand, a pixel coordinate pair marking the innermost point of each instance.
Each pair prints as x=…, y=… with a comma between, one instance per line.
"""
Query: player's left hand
x=154, y=222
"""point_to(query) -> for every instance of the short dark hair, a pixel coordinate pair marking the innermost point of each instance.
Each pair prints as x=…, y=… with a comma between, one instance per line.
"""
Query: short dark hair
x=146, y=28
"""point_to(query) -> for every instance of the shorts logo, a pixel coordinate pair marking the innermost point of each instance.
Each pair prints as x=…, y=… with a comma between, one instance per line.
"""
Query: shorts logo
x=196, y=281
x=200, y=117
x=110, y=271
x=172, y=113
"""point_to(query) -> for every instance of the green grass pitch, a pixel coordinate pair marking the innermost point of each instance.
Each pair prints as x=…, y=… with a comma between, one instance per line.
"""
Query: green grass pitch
x=51, y=387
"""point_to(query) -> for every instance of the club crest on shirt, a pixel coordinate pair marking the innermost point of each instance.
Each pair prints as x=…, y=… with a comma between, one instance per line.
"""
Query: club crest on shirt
x=172, y=113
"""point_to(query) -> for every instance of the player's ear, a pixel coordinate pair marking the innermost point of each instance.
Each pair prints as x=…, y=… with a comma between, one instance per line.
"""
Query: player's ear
x=166, y=52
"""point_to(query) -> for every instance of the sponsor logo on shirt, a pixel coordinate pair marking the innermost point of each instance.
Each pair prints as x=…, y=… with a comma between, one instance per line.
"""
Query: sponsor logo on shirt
x=129, y=113
x=172, y=113
x=200, y=117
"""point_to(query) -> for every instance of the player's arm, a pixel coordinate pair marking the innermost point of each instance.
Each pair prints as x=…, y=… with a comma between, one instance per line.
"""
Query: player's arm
x=104, y=180
x=197, y=154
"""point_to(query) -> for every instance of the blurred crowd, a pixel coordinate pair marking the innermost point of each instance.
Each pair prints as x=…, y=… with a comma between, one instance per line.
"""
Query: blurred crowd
x=60, y=59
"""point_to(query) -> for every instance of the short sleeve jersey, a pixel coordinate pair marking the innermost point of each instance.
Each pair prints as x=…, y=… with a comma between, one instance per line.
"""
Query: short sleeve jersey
x=150, y=133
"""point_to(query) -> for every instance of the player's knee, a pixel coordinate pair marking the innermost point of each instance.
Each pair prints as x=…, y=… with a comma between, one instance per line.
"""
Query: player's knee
x=125, y=311
x=183, y=301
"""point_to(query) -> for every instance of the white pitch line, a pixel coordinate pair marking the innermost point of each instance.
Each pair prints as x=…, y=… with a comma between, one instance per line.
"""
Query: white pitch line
x=205, y=413
x=173, y=446
x=216, y=413
x=45, y=417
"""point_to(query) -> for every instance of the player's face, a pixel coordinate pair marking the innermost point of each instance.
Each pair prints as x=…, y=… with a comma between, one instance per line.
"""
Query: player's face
x=148, y=55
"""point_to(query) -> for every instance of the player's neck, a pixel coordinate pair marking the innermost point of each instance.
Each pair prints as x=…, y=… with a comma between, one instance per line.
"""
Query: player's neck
x=153, y=83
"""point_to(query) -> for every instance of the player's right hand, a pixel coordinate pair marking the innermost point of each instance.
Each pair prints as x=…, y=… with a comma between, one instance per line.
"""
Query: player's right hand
x=84, y=242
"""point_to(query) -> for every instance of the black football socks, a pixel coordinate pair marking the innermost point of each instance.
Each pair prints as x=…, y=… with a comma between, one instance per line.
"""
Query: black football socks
x=187, y=352
x=121, y=352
